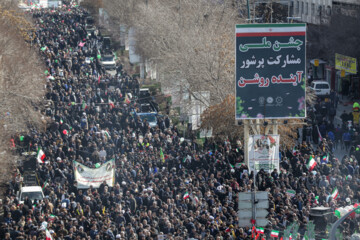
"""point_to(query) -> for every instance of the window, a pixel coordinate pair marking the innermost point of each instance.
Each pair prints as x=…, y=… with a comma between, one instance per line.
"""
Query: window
x=328, y=10
x=322, y=86
x=302, y=8
x=312, y=13
x=296, y=7
x=306, y=8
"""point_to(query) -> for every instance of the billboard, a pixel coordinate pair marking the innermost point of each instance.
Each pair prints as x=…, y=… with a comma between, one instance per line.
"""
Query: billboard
x=87, y=177
x=348, y=64
x=270, y=71
x=263, y=152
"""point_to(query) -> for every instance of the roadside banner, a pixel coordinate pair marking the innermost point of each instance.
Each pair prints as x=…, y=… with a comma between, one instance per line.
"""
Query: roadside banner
x=87, y=177
x=348, y=64
x=263, y=152
x=270, y=71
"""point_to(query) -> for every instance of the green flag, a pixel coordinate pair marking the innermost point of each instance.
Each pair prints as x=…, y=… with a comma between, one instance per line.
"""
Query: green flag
x=162, y=155
x=83, y=105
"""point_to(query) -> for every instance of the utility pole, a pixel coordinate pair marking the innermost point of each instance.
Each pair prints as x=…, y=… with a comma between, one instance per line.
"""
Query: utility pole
x=248, y=8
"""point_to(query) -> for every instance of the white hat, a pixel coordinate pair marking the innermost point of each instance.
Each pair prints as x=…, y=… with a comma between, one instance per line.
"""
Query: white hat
x=118, y=236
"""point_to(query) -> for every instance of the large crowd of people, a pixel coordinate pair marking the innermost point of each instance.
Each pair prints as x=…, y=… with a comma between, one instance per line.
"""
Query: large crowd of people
x=191, y=193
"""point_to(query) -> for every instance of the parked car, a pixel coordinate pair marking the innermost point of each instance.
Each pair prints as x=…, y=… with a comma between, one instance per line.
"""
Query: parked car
x=321, y=88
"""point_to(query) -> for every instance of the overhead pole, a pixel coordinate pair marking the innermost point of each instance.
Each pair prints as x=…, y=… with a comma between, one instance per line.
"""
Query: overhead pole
x=248, y=8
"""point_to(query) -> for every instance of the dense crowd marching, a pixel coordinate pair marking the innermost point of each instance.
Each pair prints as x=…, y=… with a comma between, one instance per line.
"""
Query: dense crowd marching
x=192, y=194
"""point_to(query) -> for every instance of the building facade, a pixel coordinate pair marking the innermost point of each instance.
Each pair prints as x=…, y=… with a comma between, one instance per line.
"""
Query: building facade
x=312, y=11
x=320, y=11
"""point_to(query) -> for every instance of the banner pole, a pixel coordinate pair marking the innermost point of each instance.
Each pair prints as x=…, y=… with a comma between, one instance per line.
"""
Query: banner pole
x=246, y=141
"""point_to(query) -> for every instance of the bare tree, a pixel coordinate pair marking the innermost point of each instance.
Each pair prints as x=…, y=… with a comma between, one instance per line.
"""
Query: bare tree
x=190, y=39
x=193, y=42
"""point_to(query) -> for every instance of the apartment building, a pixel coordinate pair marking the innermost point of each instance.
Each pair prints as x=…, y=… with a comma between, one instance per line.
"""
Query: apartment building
x=320, y=11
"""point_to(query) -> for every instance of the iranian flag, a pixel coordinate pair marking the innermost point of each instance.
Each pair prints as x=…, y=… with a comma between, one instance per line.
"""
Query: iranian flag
x=317, y=200
x=106, y=133
x=311, y=164
x=111, y=103
x=274, y=233
x=186, y=196
x=335, y=193
x=270, y=30
x=48, y=235
x=260, y=230
x=40, y=155
x=45, y=185
x=325, y=159
x=127, y=100
x=52, y=218
x=320, y=137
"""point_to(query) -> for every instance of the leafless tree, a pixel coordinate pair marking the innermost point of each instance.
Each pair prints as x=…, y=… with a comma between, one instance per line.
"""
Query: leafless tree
x=190, y=39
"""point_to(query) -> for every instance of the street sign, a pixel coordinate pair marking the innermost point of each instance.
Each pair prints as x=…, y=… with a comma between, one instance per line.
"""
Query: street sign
x=261, y=222
x=263, y=195
x=253, y=206
x=247, y=214
x=245, y=196
x=261, y=213
x=244, y=205
x=263, y=204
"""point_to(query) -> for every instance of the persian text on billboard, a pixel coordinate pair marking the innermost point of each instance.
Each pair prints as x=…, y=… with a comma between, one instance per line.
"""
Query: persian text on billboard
x=270, y=71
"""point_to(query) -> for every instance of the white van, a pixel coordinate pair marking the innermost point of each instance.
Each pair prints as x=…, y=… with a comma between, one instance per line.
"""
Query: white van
x=321, y=88
x=32, y=192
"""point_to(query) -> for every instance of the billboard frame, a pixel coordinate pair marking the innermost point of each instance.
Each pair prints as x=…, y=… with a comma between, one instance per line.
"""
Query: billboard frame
x=272, y=25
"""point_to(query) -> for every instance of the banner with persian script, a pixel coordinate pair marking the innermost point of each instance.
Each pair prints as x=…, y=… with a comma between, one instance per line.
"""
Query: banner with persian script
x=87, y=177
x=263, y=152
